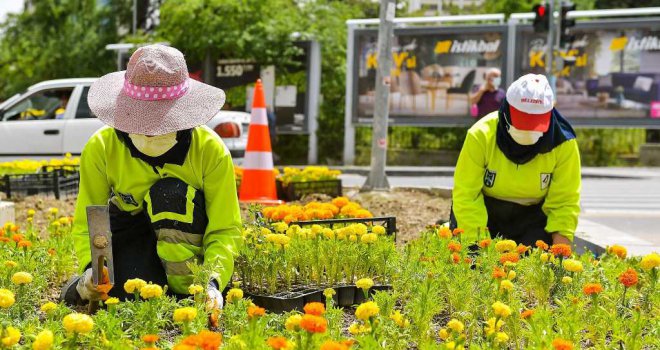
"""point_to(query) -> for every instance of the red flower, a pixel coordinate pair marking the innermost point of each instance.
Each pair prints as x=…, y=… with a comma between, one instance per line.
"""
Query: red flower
x=458, y=231
x=314, y=324
x=509, y=257
x=561, y=249
x=455, y=258
x=592, y=288
x=628, y=278
x=527, y=314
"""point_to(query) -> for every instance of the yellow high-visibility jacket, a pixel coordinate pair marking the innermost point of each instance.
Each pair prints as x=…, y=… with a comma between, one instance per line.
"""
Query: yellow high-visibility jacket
x=482, y=169
x=107, y=167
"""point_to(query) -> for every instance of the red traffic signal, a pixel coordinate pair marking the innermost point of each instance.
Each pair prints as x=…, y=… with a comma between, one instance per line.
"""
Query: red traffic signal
x=542, y=15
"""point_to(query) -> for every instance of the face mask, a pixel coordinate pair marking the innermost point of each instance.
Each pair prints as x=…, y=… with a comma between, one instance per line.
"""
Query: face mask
x=153, y=146
x=496, y=82
x=524, y=137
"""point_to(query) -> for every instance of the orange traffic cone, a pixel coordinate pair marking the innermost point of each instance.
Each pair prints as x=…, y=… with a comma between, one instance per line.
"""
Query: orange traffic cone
x=258, y=183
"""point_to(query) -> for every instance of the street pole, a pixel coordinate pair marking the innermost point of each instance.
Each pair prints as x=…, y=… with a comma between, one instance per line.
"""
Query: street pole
x=550, y=45
x=134, y=16
x=377, y=179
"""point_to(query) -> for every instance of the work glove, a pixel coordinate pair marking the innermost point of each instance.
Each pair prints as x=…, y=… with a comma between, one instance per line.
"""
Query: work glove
x=88, y=291
x=215, y=300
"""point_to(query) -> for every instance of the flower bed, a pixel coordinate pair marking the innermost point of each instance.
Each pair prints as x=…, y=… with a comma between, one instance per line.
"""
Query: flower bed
x=498, y=296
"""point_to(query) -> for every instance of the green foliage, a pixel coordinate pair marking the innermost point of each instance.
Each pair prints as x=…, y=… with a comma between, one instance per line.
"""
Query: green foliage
x=58, y=39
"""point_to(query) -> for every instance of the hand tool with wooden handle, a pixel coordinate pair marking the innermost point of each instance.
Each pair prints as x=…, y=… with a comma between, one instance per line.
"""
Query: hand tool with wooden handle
x=100, y=239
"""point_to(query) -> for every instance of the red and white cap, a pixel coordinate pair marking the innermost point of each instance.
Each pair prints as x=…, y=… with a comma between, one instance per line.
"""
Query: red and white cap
x=530, y=103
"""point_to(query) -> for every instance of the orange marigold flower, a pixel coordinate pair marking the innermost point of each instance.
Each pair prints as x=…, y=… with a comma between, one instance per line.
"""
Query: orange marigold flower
x=541, y=245
x=444, y=232
x=279, y=343
x=314, y=308
x=314, y=324
x=484, y=243
x=457, y=231
x=150, y=338
x=268, y=212
x=340, y=202
x=592, y=288
x=17, y=237
x=510, y=257
x=24, y=244
x=205, y=340
x=333, y=345
x=455, y=258
x=2, y=231
x=255, y=311
x=562, y=344
x=4, y=239
x=348, y=342
x=498, y=273
x=561, y=249
x=521, y=249
x=628, y=278
x=14, y=228
x=617, y=250
x=527, y=314
x=454, y=246
x=52, y=251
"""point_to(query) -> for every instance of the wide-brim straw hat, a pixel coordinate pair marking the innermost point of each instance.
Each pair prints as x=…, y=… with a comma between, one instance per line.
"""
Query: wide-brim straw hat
x=155, y=95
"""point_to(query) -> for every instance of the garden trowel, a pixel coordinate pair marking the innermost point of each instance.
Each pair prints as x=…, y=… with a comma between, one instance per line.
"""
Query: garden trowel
x=100, y=242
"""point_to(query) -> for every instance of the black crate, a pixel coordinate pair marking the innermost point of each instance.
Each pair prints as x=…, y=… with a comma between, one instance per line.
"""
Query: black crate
x=389, y=222
x=58, y=182
x=294, y=191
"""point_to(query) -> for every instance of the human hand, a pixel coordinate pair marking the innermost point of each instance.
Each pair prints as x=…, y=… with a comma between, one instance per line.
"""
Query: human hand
x=87, y=289
x=559, y=239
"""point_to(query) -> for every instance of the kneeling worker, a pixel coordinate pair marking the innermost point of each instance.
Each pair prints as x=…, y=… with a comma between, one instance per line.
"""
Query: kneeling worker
x=168, y=178
x=518, y=173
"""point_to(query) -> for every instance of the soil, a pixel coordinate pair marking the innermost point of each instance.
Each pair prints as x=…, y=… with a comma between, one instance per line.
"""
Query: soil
x=414, y=209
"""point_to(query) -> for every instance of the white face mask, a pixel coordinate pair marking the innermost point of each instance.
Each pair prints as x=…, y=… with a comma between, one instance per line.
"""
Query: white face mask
x=524, y=137
x=496, y=82
x=153, y=146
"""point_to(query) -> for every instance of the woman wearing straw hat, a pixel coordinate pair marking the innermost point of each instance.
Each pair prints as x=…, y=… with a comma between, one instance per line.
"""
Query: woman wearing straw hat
x=518, y=173
x=168, y=179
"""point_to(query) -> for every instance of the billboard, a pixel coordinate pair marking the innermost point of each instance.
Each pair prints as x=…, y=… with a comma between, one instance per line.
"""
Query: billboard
x=434, y=72
x=615, y=76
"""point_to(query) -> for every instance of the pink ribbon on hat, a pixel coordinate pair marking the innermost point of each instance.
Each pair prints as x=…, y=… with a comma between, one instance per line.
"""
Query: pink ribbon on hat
x=155, y=93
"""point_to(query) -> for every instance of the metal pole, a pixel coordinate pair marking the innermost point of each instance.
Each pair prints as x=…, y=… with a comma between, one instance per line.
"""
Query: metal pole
x=550, y=45
x=134, y=16
x=511, y=52
x=314, y=87
x=349, y=128
x=377, y=179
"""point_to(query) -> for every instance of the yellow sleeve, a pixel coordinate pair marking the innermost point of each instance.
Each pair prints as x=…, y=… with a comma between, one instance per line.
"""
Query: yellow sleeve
x=93, y=190
x=562, y=203
x=468, y=200
x=223, y=238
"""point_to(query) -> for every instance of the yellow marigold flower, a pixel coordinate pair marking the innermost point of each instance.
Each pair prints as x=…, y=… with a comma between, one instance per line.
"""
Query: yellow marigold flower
x=195, y=289
x=378, y=229
x=572, y=265
x=328, y=233
x=48, y=307
x=43, y=341
x=443, y=334
x=506, y=284
x=505, y=246
x=151, y=291
x=512, y=275
x=234, y=294
x=491, y=327
x=11, y=336
x=293, y=323
x=78, y=323
x=352, y=238
x=369, y=238
x=360, y=229
x=367, y=310
x=617, y=250
x=265, y=231
x=650, y=261
x=364, y=283
x=63, y=221
x=502, y=310
x=453, y=346
x=566, y=280
x=53, y=211
x=31, y=212
x=6, y=298
x=501, y=338
x=545, y=257
x=134, y=285
x=185, y=314
x=280, y=227
x=10, y=264
x=357, y=328
x=329, y=292
x=456, y=325
x=22, y=277
x=398, y=318
x=111, y=301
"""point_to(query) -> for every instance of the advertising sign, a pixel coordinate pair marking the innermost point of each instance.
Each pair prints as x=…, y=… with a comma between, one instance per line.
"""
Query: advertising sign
x=614, y=74
x=435, y=70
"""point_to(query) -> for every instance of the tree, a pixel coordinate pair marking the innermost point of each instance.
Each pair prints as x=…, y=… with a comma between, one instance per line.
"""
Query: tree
x=58, y=39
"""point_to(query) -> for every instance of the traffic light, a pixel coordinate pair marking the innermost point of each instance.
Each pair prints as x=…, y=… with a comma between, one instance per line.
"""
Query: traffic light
x=542, y=15
x=565, y=38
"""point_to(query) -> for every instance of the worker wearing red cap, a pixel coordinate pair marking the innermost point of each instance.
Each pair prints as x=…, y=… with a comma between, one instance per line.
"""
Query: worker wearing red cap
x=518, y=174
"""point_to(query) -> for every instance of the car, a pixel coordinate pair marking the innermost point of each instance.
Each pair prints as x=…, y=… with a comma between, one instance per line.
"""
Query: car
x=52, y=118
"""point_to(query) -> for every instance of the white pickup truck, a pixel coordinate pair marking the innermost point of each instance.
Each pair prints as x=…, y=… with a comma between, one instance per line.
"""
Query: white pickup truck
x=52, y=118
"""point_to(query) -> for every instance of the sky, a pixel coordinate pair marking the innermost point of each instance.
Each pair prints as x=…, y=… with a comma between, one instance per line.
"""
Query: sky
x=9, y=6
